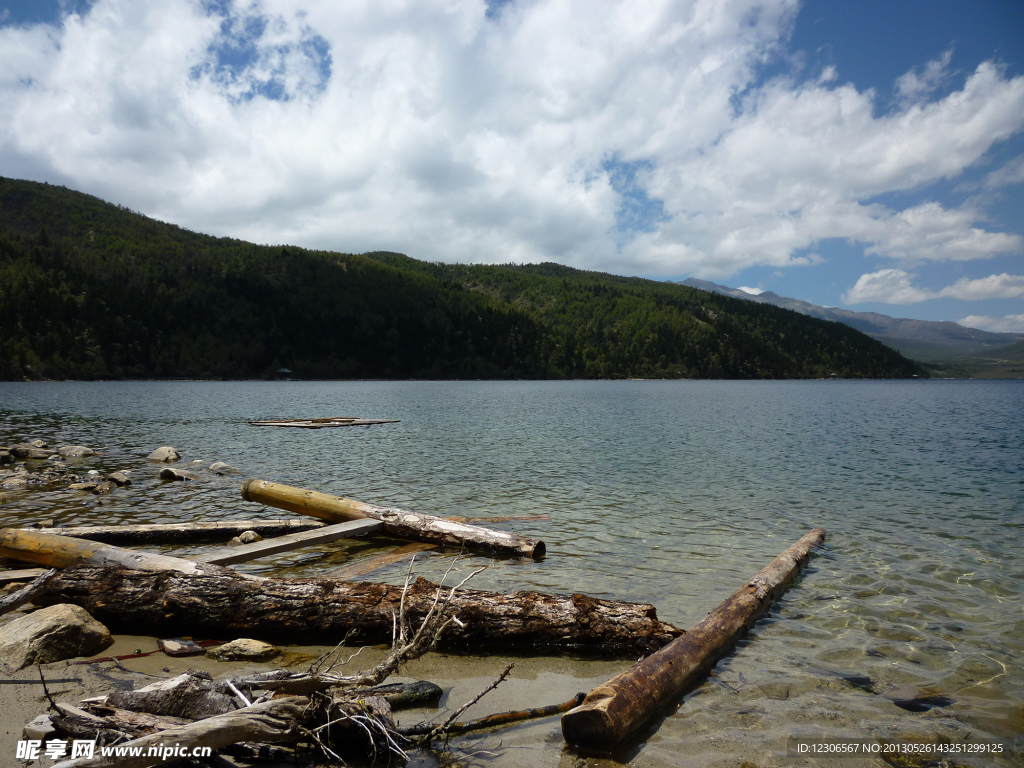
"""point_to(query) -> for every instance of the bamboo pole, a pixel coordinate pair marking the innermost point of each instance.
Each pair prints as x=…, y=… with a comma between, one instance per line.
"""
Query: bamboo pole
x=613, y=711
x=399, y=523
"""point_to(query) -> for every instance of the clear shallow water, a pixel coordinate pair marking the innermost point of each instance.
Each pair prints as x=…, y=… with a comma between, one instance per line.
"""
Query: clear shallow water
x=665, y=492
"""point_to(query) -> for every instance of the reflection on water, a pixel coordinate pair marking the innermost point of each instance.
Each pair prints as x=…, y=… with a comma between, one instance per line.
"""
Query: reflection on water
x=665, y=492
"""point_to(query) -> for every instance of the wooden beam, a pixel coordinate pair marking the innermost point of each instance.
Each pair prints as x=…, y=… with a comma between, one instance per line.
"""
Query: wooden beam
x=375, y=562
x=242, y=554
x=614, y=710
x=23, y=574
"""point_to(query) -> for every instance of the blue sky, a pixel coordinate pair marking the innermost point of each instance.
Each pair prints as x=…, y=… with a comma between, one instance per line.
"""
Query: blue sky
x=868, y=155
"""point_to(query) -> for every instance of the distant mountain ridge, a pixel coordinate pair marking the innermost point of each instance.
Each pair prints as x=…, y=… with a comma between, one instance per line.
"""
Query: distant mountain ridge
x=925, y=340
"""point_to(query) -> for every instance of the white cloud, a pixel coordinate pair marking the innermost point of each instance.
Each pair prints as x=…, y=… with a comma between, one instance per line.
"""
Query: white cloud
x=914, y=86
x=753, y=291
x=429, y=128
x=894, y=286
x=1008, y=324
x=887, y=286
x=1011, y=173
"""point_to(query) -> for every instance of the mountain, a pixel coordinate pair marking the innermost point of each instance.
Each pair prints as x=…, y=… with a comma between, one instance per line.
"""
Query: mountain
x=924, y=340
x=93, y=290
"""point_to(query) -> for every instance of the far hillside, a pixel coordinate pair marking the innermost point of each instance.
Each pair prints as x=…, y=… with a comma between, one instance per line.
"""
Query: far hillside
x=89, y=290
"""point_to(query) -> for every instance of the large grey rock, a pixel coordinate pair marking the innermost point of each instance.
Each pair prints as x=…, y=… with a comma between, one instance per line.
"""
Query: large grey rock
x=164, y=453
x=244, y=649
x=75, y=451
x=51, y=634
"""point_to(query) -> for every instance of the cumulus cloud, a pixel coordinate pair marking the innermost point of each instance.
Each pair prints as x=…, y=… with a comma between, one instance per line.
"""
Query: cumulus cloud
x=1007, y=324
x=894, y=286
x=753, y=291
x=632, y=137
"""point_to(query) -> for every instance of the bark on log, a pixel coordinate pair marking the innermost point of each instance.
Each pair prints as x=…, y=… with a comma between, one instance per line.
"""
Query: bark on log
x=184, y=533
x=55, y=551
x=225, y=604
x=613, y=711
x=399, y=523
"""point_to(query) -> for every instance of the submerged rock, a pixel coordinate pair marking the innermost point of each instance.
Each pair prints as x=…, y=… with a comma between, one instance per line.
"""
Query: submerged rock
x=915, y=699
x=30, y=452
x=120, y=477
x=170, y=473
x=164, y=454
x=75, y=451
x=243, y=649
x=52, y=634
x=220, y=468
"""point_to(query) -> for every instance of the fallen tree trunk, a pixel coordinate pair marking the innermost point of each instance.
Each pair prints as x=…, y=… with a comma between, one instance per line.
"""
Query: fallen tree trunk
x=613, y=711
x=56, y=551
x=399, y=523
x=225, y=604
x=183, y=533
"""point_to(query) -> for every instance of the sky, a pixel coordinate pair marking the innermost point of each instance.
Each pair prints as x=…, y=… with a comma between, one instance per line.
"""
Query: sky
x=866, y=155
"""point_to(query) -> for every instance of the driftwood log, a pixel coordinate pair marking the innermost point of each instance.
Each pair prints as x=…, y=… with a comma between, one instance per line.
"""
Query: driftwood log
x=614, y=710
x=184, y=533
x=57, y=551
x=224, y=604
x=400, y=523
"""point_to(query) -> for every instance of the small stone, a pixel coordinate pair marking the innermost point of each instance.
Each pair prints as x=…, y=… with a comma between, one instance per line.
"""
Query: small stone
x=39, y=444
x=164, y=454
x=196, y=462
x=86, y=486
x=105, y=487
x=75, y=451
x=243, y=649
x=220, y=468
x=40, y=729
x=120, y=477
x=6, y=457
x=51, y=634
x=170, y=473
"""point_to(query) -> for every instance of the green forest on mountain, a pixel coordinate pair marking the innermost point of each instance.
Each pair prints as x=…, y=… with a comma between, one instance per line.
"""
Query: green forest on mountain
x=91, y=290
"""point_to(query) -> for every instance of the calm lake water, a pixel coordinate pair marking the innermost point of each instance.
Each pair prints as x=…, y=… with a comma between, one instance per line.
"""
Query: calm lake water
x=671, y=493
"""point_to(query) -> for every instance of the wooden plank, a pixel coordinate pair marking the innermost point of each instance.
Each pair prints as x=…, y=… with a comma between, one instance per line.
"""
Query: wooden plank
x=347, y=530
x=172, y=533
x=24, y=574
x=376, y=562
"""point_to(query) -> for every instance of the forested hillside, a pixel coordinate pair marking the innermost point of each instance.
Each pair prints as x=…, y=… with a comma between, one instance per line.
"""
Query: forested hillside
x=92, y=290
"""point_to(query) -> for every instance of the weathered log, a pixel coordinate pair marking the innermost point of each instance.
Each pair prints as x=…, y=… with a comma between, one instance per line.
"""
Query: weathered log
x=614, y=710
x=224, y=603
x=55, y=551
x=184, y=533
x=399, y=523
x=274, y=720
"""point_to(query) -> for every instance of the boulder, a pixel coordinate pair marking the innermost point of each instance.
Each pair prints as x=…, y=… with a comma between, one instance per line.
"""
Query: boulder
x=6, y=457
x=220, y=468
x=164, y=454
x=75, y=451
x=243, y=649
x=120, y=477
x=51, y=634
x=170, y=473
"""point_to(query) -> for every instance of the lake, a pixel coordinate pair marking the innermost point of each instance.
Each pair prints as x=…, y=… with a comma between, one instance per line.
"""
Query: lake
x=668, y=492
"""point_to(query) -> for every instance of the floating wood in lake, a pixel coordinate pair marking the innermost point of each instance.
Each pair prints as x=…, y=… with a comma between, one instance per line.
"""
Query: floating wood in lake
x=330, y=421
